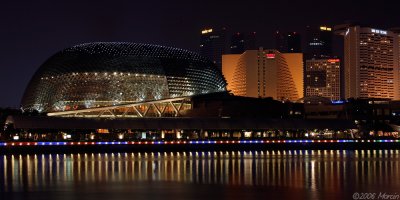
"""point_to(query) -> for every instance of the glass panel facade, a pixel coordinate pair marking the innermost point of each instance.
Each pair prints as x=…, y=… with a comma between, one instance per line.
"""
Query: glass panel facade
x=103, y=74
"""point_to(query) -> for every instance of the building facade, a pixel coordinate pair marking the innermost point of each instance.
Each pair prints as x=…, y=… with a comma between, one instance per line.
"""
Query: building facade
x=322, y=68
x=323, y=78
x=371, y=67
x=265, y=73
x=103, y=74
x=319, y=42
x=213, y=45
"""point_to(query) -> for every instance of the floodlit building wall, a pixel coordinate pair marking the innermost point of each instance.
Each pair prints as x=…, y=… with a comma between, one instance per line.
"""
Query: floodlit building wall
x=265, y=73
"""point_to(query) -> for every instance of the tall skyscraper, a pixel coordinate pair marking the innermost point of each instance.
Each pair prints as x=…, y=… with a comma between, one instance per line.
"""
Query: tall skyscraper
x=371, y=67
x=323, y=78
x=322, y=68
x=264, y=73
x=397, y=32
x=288, y=42
x=319, y=42
x=213, y=45
x=241, y=42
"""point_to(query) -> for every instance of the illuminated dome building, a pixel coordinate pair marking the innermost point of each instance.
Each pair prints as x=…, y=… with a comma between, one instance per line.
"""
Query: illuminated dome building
x=107, y=74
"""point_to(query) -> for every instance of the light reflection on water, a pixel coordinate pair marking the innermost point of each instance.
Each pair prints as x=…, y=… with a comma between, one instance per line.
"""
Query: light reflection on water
x=315, y=171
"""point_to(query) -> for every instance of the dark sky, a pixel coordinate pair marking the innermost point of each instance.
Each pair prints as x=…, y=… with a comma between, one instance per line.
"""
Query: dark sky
x=32, y=31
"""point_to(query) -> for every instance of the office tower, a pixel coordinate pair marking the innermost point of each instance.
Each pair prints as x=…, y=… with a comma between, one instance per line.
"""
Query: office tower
x=319, y=42
x=371, y=62
x=323, y=78
x=264, y=73
x=322, y=69
x=213, y=45
x=288, y=42
x=241, y=42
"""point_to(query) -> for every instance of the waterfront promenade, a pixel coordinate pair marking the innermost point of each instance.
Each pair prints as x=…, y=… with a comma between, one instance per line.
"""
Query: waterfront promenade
x=194, y=145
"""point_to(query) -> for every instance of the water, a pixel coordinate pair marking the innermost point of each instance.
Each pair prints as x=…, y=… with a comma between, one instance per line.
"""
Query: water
x=302, y=174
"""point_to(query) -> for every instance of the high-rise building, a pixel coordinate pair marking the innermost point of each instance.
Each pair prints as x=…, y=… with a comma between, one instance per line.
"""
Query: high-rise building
x=396, y=31
x=213, y=45
x=264, y=73
x=319, y=42
x=323, y=78
x=288, y=42
x=371, y=62
x=241, y=42
x=322, y=68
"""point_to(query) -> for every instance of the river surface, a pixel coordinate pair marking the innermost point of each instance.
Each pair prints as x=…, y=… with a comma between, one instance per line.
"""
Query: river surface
x=300, y=174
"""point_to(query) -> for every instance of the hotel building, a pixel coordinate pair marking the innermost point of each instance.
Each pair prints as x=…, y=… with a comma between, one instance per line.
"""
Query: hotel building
x=371, y=68
x=323, y=78
x=264, y=73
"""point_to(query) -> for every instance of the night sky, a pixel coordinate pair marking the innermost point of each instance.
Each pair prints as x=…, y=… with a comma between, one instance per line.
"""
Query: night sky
x=32, y=31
